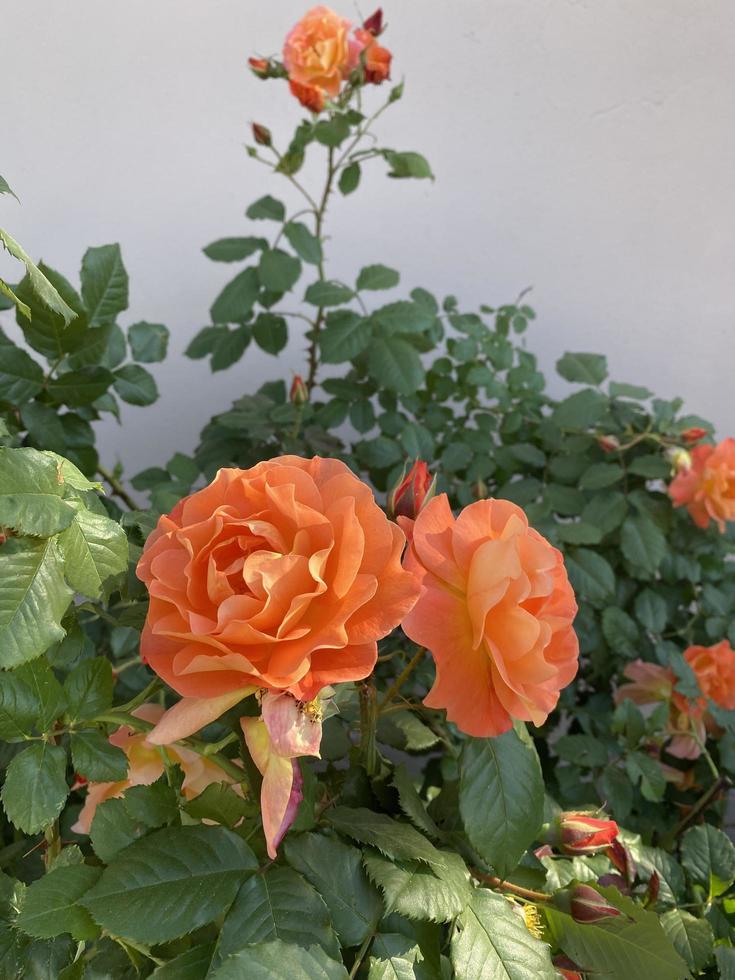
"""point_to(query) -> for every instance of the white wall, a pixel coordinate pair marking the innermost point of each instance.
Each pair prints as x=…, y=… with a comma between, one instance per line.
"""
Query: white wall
x=585, y=147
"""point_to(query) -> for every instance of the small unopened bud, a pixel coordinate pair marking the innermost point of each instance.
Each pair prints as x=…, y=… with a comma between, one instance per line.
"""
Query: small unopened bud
x=374, y=23
x=608, y=444
x=299, y=393
x=261, y=135
x=619, y=856
x=587, y=905
x=690, y=436
x=679, y=458
x=259, y=67
x=579, y=833
x=412, y=492
x=654, y=884
x=566, y=968
x=479, y=490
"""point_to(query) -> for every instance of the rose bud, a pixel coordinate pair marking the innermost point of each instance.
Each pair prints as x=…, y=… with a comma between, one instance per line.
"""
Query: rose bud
x=587, y=905
x=679, y=458
x=374, y=23
x=299, y=393
x=694, y=434
x=566, y=968
x=608, y=444
x=260, y=67
x=579, y=833
x=620, y=857
x=654, y=884
x=412, y=492
x=617, y=881
x=261, y=135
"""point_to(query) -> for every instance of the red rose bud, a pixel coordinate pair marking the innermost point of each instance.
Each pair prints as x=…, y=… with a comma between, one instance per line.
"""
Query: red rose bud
x=545, y=851
x=261, y=135
x=693, y=435
x=617, y=881
x=374, y=23
x=654, y=883
x=608, y=444
x=260, y=67
x=587, y=905
x=299, y=393
x=581, y=834
x=412, y=492
x=620, y=857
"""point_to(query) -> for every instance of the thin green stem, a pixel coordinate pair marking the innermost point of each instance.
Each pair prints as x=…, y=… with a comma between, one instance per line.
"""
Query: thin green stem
x=117, y=488
x=402, y=678
x=361, y=953
x=140, y=698
x=319, y=214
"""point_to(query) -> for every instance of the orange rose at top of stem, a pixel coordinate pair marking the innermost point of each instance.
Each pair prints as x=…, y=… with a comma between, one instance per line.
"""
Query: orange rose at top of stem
x=707, y=486
x=283, y=576
x=495, y=610
x=318, y=53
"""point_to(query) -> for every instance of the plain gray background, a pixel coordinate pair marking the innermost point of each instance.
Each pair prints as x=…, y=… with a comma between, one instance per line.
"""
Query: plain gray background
x=582, y=147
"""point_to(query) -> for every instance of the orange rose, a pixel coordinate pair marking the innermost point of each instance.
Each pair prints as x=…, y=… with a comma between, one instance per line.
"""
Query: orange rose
x=283, y=576
x=317, y=51
x=145, y=766
x=495, y=610
x=707, y=487
x=376, y=59
x=714, y=668
x=309, y=96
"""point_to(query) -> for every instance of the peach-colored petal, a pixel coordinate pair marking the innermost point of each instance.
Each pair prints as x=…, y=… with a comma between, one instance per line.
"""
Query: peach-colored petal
x=192, y=714
x=277, y=772
x=706, y=487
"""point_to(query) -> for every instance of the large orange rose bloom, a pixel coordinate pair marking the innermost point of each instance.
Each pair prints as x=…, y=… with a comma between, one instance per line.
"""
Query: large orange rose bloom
x=707, y=487
x=714, y=668
x=317, y=52
x=145, y=766
x=283, y=576
x=495, y=610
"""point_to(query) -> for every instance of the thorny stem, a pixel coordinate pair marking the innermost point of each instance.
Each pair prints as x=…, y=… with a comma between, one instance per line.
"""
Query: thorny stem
x=402, y=678
x=509, y=886
x=117, y=488
x=721, y=783
x=368, y=722
x=361, y=955
x=319, y=215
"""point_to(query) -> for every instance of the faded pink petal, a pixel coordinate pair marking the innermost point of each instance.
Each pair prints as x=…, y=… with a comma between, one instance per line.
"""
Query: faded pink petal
x=292, y=729
x=191, y=714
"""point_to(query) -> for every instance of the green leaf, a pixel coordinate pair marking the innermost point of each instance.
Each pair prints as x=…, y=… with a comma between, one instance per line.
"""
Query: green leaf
x=234, y=249
x=20, y=377
x=18, y=706
x=230, y=347
x=419, y=737
x=327, y=292
x=236, y=300
x=725, y=958
x=170, y=883
x=303, y=241
x=220, y=803
x=580, y=410
x=31, y=489
x=104, y=284
x=692, y=938
x=591, y=575
x=266, y=961
x=393, y=957
x=618, y=947
x=621, y=390
x=708, y=857
x=35, y=788
x=96, y=759
x=39, y=284
x=501, y=798
x=587, y=369
x=652, y=467
x=95, y=550
x=135, y=385
x=33, y=599
x=278, y=270
x=50, y=906
x=407, y=165
x=88, y=689
x=395, y=363
x=332, y=132
x=82, y=387
x=643, y=544
x=582, y=750
x=412, y=804
x=651, y=610
x=192, y=965
x=270, y=332
x=335, y=870
x=643, y=768
x=48, y=695
x=377, y=277
x=266, y=208
x=148, y=341
x=578, y=532
x=411, y=888
x=5, y=188
x=113, y=829
x=620, y=631
x=349, y=178
x=346, y=335
x=403, y=317
x=491, y=942
x=278, y=904
x=606, y=511
x=601, y=475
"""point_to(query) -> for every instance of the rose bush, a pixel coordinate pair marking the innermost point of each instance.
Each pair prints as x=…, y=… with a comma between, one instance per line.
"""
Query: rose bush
x=410, y=670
